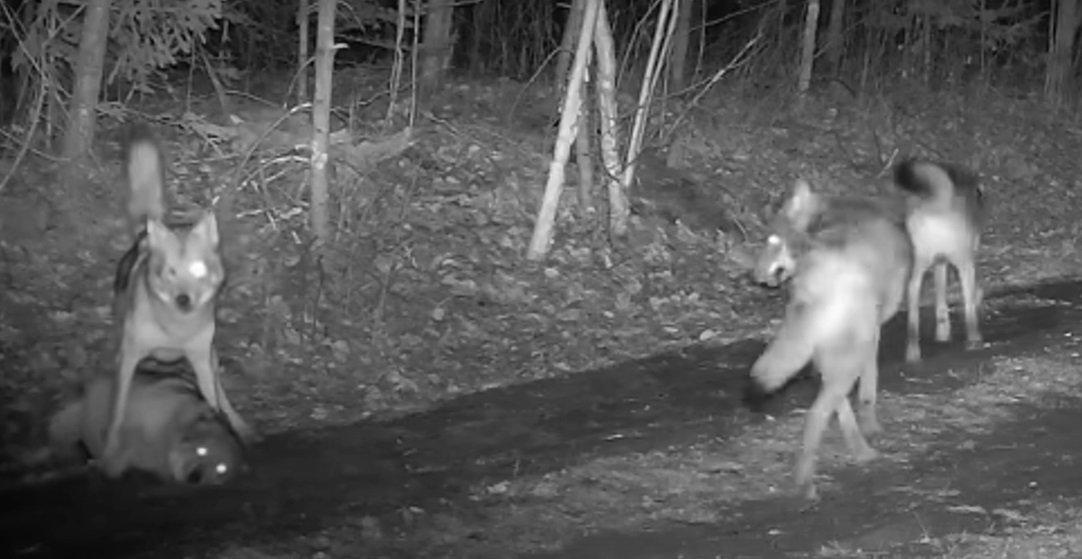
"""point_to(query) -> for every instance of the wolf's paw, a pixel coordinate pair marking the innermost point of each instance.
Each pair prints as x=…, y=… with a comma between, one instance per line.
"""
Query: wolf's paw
x=804, y=473
x=865, y=455
x=974, y=344
x=869, y=423
x=755, y=396
x=912, y=353
x=112, y=465
x=805, y=482
x=247, y=435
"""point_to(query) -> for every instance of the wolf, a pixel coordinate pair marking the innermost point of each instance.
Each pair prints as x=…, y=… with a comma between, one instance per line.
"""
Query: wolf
x=846, y=261
x=946, y=210
x=165, y=291
x=168, y=430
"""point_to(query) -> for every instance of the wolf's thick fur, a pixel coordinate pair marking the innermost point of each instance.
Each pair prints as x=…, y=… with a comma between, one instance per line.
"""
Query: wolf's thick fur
x=848, y=260
x=946, y=211
x=167, y=430
x=164, y=293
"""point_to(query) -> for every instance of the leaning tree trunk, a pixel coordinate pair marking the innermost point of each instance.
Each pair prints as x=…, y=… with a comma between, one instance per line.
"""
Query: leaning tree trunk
x=550, y=200
x=437, y=47
x=321, y=118
x=655, y=68
x=567, y=42
x=583, y=155
x=1064, y=24
x=84, y=102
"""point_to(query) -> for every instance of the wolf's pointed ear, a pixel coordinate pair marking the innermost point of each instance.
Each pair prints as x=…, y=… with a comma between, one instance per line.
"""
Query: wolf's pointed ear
x=801, y=203
x=158, y=234
x=207, y=228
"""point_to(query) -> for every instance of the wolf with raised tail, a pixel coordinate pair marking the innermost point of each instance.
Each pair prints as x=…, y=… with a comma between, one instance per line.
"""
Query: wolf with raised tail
x=165, y=291
x=847, y=261
x=946, y=207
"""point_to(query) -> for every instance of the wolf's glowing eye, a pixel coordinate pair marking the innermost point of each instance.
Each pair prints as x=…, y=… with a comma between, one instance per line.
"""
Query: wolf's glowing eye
x=773, y=240
x=197, y=269
x=201, y=451
x=221, y=469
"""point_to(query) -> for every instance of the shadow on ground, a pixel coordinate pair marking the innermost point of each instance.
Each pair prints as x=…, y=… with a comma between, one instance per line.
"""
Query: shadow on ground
x=307, y=480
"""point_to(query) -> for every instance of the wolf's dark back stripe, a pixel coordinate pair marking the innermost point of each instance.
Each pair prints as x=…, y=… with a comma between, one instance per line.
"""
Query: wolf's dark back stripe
x=838, y=217
x=128, y=263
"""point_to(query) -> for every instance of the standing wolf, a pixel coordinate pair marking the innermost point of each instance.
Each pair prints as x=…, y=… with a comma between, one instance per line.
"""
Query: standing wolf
x=848, y=260
x=944, y=218
x=164, y=294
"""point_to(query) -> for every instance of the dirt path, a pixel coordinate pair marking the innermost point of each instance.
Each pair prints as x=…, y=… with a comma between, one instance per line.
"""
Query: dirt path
x=305, y=482
x=885, y=509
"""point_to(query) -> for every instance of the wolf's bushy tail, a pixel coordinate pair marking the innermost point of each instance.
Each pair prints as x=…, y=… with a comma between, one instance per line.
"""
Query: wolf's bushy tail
x=788, y=353
x=928, y=180
x=146, y=175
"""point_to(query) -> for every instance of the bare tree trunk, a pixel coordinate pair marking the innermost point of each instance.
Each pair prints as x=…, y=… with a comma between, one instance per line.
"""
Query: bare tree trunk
x=835, y=42
x=546, y=216
x=396, y=67
x=678, y=56
x=479, y=16
x=567, y=43
x=926, y=49
x=984, y=41
x=321, y=119
x=873, y=47
x=807, y=51
x=88, y=70
x=1065, y=23
x=438, y=42
x=655, y=61
x=619, y=209
x=782, y=8
x=302, y=51
x=585, y=159
x=700, y=35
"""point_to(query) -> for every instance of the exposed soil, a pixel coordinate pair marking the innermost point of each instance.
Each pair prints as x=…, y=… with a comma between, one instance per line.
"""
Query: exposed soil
x=314, y=480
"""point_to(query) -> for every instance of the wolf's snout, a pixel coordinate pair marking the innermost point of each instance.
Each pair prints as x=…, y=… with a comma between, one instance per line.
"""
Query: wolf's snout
x=184, y=302
x=773, y=276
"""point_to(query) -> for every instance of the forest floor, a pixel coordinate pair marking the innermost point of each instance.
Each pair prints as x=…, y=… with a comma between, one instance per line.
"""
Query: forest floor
x=433, y=394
